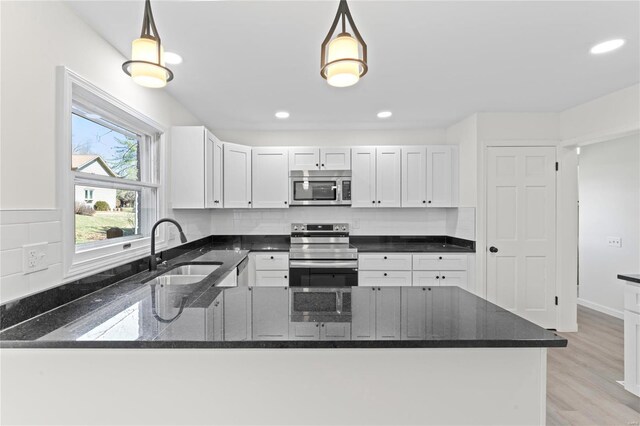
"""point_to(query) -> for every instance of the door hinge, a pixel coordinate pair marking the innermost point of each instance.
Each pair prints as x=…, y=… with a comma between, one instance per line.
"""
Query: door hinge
x=556, y=300
x=557, y=166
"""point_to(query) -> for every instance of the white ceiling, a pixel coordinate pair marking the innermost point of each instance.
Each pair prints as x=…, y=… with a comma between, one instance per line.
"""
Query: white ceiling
x=431, y=63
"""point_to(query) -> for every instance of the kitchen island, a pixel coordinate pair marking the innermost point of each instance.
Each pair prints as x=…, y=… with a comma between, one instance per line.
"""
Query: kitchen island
x=419, y=355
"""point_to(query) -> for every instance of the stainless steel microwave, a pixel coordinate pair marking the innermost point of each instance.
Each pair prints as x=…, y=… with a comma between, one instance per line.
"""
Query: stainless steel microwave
x=319, y=187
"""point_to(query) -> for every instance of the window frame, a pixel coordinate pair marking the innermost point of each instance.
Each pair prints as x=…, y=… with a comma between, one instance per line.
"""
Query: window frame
x=74, y=89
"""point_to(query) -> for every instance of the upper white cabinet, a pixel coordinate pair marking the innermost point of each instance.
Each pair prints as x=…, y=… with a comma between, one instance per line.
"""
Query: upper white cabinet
x=237, y=176
x=310, y=158
x=442, y=176
x=270, y=177
x=196, y=168
x=414, y=176
x=376, y=178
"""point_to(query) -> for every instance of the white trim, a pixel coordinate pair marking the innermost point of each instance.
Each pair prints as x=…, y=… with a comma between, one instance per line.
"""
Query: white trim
x=111, y=182
x=603, y=136
x=17, y=216
x=84, y=263
x=601, y=308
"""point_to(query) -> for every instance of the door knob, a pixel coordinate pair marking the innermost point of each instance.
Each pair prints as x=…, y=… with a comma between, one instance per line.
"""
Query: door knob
x=493, y=249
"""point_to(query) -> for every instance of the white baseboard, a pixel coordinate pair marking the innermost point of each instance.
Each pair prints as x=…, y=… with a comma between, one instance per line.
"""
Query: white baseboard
x=601, y=308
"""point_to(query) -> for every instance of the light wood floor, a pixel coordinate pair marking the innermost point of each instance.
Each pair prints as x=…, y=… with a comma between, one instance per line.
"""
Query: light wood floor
x=581, y=380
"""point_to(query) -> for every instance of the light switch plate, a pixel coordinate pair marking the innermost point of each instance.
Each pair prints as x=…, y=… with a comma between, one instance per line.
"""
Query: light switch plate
x=614, y=241
x=34, y=257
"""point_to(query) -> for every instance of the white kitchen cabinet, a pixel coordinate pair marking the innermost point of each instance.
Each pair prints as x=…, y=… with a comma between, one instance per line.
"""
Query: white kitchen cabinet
x=335, y=331
x=272, y=278
x=442, y=176
x=269, y=269
x=384, y=278
x=376, y=178
x=440, y=261
x=237, y=176
x=388, y=177
x=272, y=261
x=312, y=158
x=304, y=331
x=414, y=176
x=196, y=168
x=632, y=352
x=438, y=278
x=426, y=278
x=376, y=313
x=270, y=320
x=237, y=314
x=414, y=313
x=363, y=177
x=269, y=177
x=384, y=262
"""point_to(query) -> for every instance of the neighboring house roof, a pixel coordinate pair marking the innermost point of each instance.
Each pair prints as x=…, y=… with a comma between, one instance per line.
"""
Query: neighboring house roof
x=81, y=161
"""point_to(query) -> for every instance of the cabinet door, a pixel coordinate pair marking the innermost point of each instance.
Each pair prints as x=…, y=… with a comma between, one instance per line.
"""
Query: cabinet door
x=270, y=319
x=217, y=314
x=457, y=278
x=414, y=176
x=441, y=176
x=218, y=174
x=270, y=178
x=388, y=177
x=388, y=313
x=363, y=177
x=426, y=278
x=304, y=331
x=384, y=278
x=304, y=158
x=632, y=352
x=237, y=176
x=272, y=278
x=237, y=313
x=335, y=159
x=188, y=167
x=363, y=313
x=335, y=331
x=414, y=313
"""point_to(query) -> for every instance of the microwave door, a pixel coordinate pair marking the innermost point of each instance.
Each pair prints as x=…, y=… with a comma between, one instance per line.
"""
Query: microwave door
x=315, y=191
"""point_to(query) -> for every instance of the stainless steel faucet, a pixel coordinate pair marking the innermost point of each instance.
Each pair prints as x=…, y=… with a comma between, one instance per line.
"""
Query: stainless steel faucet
x=153, y=261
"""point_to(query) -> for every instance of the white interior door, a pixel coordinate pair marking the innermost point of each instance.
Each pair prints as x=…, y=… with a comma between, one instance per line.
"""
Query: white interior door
x=521, y=231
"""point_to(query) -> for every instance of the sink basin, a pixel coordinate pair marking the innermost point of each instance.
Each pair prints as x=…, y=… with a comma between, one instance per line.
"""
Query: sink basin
x=192, y=270
x=177, y=280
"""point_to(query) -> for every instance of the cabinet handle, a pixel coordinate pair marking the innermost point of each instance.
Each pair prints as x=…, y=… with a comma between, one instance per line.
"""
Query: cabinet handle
x=216, y=304
x=378, y=201
x=316, y=164
x=424, y=289
x=373, y=289
x=437, y=277
x=385, y=258
x=249, y=202
x=373, y=202
x=429, y=201
x=424, y=201
x=286, y=202
x=378, y=288
x=440, y=258
x=316, y=325
x=443, y=277
x=286, y=276
x=322, y=164
x=323, y=324
x=271, y=257
x=385, y=274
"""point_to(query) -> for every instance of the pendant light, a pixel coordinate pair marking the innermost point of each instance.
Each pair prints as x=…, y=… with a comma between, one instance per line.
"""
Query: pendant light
x=343, y=58
x=146, y=66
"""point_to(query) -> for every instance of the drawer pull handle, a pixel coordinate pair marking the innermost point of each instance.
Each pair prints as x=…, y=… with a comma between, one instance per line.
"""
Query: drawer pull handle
x=385, y=274
x=443, y=277
x=271, y=257
x=440, y=258
x=385, y=258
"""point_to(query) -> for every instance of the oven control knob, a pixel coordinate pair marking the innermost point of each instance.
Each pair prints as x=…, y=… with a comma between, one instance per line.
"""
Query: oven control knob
x=295, y=228
x=344, y=228
x=336, y=228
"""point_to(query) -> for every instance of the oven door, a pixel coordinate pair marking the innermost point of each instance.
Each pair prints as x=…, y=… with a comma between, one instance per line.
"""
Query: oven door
x=315, y=191
x=323, y=273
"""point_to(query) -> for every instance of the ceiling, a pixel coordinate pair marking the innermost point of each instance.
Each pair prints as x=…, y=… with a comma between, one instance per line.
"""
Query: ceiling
x=431, y=63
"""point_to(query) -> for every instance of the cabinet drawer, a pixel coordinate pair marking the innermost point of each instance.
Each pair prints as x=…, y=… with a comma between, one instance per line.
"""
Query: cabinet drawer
x=272, y=278
x=632, y=298
x=439, y=262
x=384, y=262
x=272, y=261
x=454, y=278
x=426, y=278
x=384, y=279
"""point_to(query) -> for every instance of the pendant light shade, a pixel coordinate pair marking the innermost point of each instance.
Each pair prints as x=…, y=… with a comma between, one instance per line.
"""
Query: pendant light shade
x=343, y=58
x=146, y=66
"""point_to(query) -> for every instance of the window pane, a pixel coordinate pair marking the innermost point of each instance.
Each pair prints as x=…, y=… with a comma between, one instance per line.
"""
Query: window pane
x=102, y=148
x=108, y=213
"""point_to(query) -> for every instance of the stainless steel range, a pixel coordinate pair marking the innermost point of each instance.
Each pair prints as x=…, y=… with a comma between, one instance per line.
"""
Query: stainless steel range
x=320, y=256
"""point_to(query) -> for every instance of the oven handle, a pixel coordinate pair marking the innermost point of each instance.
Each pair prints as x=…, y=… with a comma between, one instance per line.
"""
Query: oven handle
x=327, y=264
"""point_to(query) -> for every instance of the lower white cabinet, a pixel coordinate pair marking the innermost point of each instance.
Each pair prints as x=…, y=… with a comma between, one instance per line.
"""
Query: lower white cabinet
x=632, y=338
x=319, y=331
x=237, y=314
x=376, y=313
x=384, y=262
x=270, y=319
x=269, y=269
x=440, y=262
x=414, y=312
x=384, y=278
x=437, y=278
x=272, y=279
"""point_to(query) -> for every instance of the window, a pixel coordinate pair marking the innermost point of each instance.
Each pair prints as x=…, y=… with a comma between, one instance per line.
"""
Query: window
x=111, y=159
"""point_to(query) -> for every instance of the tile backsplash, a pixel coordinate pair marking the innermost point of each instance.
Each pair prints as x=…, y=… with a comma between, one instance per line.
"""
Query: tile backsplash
x=21, y=227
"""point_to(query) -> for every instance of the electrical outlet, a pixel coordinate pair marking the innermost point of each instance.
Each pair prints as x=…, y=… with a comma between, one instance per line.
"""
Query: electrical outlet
x=614, y=241
x=34, y=257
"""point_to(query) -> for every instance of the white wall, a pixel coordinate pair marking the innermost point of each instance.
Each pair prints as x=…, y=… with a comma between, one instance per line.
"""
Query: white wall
x=35, y=38
x=609, y=188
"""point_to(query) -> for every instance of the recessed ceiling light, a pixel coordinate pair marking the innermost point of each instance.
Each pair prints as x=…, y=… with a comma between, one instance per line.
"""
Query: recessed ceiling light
x=385, y=114
x=282, y=114
x=607, y=46
x=172, y=58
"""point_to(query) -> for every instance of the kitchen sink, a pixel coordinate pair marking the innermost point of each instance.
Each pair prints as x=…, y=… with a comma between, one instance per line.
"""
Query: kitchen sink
x=192, y=270
x=177, y=280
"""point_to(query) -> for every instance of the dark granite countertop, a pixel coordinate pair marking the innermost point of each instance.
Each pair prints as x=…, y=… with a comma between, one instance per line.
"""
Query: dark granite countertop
x=134, y=314
x=632, y=278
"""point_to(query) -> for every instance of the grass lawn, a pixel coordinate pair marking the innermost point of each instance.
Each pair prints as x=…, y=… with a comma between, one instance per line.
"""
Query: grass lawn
x=94, y=228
